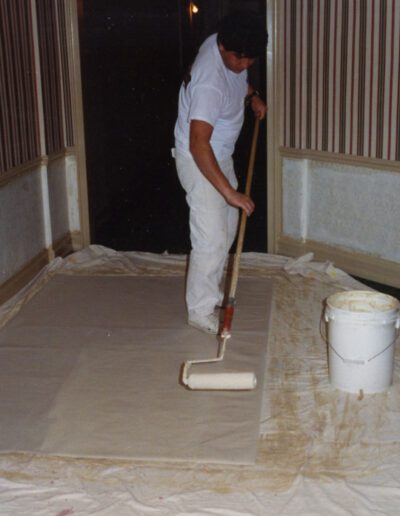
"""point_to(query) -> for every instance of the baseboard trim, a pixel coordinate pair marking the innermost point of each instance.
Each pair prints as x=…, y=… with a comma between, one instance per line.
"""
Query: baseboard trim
x=76, y=240
x=358, y=264
x=62, y=247
x=23, y=276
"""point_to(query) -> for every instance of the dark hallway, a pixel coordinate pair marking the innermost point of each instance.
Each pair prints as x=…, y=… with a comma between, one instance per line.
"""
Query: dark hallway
x=133, y=58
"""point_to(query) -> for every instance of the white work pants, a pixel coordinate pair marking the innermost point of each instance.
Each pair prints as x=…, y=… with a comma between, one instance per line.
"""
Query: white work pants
x=213, y=224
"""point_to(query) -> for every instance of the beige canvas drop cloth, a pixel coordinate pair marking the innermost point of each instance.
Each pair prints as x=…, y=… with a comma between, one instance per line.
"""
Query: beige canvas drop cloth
x=91, y=367
x=320, y=451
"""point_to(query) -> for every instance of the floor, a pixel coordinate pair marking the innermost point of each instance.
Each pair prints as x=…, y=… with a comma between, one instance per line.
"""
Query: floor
x=320, y=450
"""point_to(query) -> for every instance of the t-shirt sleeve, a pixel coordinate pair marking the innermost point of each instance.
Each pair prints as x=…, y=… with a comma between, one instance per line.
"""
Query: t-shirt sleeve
x=206, y=104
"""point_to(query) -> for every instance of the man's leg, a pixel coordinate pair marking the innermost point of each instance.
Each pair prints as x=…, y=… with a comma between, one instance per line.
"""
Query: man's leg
x=212, y=229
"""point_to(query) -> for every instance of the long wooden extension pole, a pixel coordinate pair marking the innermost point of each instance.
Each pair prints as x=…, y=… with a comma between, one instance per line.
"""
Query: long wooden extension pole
x=230, y=307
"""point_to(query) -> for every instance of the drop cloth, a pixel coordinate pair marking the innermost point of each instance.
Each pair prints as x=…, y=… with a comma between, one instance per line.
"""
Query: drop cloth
x=320, y=451
x=92, y=368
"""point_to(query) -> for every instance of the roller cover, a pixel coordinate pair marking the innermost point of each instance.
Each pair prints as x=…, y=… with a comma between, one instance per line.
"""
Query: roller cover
x=223, y=381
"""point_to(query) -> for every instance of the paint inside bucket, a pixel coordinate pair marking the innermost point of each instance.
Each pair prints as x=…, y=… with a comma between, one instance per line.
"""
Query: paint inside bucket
x=362, y=330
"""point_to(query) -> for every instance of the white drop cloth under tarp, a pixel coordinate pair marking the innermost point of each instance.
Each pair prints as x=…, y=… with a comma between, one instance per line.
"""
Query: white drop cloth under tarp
x=92, y=367
x=320, y=451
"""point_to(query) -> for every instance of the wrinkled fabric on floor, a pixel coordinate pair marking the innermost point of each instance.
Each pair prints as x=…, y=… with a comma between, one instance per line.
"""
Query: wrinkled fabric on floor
x=320, y=450
x=92, y=369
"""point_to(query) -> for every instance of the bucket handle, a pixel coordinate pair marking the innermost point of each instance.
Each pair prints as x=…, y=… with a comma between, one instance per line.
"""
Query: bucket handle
x=360, y=362
x=322, y=330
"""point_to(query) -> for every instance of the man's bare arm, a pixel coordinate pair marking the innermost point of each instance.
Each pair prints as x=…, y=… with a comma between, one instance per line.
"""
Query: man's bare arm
x=200, y=135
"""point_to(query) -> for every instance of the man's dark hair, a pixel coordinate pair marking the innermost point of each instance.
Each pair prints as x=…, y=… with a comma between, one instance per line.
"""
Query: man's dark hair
x=243, y=32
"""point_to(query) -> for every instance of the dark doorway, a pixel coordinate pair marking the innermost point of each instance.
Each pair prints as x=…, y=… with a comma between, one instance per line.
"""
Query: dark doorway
x=134, y=54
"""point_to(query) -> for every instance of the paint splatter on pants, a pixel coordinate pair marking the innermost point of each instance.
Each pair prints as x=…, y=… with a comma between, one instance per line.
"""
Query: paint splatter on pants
x=213, y=224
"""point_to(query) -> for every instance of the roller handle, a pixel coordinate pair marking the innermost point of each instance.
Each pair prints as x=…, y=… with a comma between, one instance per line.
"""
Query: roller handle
x=226, y=329
x=243, y=217
x=228, y=317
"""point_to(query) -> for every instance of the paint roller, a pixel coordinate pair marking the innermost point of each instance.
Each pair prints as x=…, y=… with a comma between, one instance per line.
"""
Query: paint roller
x=238, y=381
x=231, y=381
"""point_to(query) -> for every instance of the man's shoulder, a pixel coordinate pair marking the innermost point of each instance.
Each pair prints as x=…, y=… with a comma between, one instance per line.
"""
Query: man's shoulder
x=208, y=53
x=207, y=69
x=208, y=43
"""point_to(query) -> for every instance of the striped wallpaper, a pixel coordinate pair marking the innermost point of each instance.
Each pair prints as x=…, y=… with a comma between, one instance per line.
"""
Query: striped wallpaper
x=340, y=74
x=19, y=125
x=65, y=72
x=20, y=99
x=50, y=71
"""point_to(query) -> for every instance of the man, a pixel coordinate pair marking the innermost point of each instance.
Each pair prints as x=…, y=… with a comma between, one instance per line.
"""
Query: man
x=210, y=117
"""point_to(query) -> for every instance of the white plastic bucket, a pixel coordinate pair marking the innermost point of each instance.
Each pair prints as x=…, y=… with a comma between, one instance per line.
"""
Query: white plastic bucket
x=362, y=330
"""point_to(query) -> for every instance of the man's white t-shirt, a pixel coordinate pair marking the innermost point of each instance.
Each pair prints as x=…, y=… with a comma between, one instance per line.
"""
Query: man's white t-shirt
x=215, y=95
